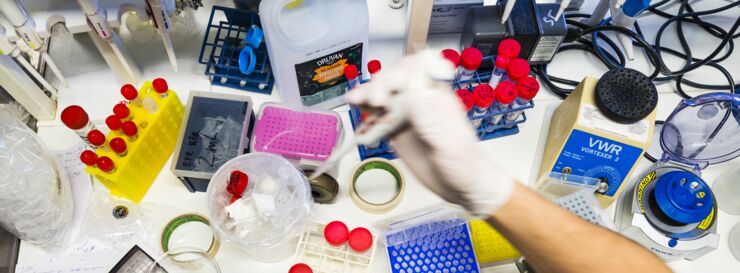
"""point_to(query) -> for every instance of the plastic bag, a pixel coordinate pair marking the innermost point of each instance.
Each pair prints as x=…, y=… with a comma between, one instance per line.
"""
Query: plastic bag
x=35, y=196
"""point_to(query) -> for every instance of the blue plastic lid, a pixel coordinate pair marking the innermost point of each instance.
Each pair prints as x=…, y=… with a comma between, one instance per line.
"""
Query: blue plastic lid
x=254, y=37
x=247, y=60
x=703, y=130
x=633, y=8
x=683, y=196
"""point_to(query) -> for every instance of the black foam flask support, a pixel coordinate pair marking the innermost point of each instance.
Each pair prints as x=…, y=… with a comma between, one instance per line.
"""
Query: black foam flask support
x=625, y=95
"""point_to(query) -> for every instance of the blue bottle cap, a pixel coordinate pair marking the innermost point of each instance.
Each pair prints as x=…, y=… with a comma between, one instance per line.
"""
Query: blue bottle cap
x=254, y=36
x=247, y=60
x=633, y=8
x=684, y=197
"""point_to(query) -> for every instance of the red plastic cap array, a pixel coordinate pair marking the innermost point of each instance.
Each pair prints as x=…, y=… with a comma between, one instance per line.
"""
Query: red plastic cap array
x=527, y=88
x=336, y=233
x=506, y=92
x=89, y=157
x=129, y=92
x=160, y=85
x=121, y=111
x=300, y=268
x=360, y=239
x=74, y=117
x=113, y=122
x=471, y=58
x=467, y=98
x=452, y=56
x=351, y=72
x=509, y=48
x=518, y=68
x=118, y=145
x=105, y=164
x=483, y=95
x=129, y=128
x=96, y=137
x=502, y=62
x=373, y=66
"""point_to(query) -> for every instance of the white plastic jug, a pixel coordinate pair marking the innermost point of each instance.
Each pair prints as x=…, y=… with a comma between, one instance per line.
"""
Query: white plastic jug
x=310, y=42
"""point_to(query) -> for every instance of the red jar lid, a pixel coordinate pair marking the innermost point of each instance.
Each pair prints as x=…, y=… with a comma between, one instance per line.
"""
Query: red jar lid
x=360, y=239
x=336, y=233
x=300, y=268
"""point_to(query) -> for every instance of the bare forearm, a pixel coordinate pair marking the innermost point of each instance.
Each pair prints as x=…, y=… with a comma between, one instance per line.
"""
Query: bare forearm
x=555, y=240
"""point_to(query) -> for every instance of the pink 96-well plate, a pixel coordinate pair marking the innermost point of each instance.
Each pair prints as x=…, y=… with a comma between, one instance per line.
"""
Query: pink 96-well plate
x=294, y=134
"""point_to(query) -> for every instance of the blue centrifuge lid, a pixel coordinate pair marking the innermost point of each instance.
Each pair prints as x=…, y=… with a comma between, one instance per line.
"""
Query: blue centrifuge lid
x=683, y=196
x=703, y=130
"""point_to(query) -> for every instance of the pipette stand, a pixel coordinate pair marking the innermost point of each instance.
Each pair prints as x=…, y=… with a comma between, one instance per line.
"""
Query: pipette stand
x=135, y=172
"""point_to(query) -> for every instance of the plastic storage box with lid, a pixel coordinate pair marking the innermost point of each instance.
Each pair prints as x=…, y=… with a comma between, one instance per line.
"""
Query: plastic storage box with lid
x=431, y=240
x=670, y=209
x=215, y=129
x=306, y=136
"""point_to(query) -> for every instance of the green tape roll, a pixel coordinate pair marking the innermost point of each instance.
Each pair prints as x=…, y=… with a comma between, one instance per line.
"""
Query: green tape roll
x=372, y=164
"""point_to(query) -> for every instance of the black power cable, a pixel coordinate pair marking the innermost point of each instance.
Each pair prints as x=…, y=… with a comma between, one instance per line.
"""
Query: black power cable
x=612, y=57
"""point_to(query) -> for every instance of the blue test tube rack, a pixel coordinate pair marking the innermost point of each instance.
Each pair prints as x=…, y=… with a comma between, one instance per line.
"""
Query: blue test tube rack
x=220, y=50
x=484, y=132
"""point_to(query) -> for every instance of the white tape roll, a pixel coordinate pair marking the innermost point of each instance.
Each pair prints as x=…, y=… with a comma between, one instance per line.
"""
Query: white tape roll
x=376, y=185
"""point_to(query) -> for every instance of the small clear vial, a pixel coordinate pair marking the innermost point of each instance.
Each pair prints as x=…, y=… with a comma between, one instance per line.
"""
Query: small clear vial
x=118, y=145
x=373, y=67
x=505, y=95
x=352, y=74
x=470, y=61
x=130, y=93
x=89, y=158
x=75, y=118
x=96, y=138
x=483, y=95
x=499, y=70
x=150, y=105
x=130, y=130
x=106, y=164
x=122, y=112
x=527, y=89
x=113, y=122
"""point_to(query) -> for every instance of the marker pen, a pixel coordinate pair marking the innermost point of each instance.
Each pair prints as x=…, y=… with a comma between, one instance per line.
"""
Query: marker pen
x=160, y=86
x=509, y=48
x=130, y=93
x=452, y=56
x=96, y=138
x=113, y=122
x=352, y=75
x=470, y=60
x=483, y=95
x=527, y=89
x=121, y=111
x=106, y=164
x=75, y=118
x=89, y=158
x=502, y=62
x=518, y=68
x=118, y=145
x=466, y=97
x=505, y=95
x=130, y=130
x=373, y=67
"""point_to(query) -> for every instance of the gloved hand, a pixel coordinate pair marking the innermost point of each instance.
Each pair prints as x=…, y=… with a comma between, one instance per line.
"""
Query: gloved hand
x=438, y=141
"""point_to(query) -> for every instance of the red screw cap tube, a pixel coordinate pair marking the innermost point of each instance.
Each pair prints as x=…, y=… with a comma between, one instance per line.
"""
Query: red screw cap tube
x=118, y=145
x=452, y=56
x=89, y=158
x=471, y=58
x=360, y=239
x=506, y=92
x=106, y=164
x=483, y=95
x=502, y=62
x=509, y=48
x=527, y=88
x=467, y=98
x=129, y=129
x=300, y=268
x=96, y=138
x=518, y=68
x=113, y=122
x=336, y=233
x=160, y=86
x=74, y=117
x=351, y=72
x=121, y=111
x=129, y=92
x=373, y=66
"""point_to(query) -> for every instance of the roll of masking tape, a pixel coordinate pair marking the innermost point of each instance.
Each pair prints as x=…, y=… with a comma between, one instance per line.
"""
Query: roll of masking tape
x=189, y=231
x=377, y=185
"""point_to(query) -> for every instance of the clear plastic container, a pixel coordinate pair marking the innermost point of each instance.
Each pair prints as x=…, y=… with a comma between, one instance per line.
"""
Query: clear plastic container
x=270, y=232
x=734, y=240
x=727, y=191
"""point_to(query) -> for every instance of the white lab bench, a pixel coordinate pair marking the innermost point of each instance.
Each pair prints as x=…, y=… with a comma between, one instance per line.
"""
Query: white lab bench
x=521, y=154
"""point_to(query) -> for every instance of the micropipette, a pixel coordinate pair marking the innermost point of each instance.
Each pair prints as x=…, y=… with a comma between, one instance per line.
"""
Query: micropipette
x=563, y=5
x=158, y=11
x=97, y=18
x=7, y=48
x=24, y=27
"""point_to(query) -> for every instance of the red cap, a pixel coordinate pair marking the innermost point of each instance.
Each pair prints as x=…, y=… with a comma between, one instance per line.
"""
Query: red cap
x=96, y=137
x=118, y=145
x=518, y=68
x=105, y=164
x=300, y=268
x=336, y=233
x=452, y=56
x=351, y=72
x=373, y=66
x=471, y=58
x=238, y=182
x=467, y=98
x=160, y=85
x=527, y=88
x=121, y=110
x=129, y=92
x=89, y=157
x=129, y=128
x=483, y=95
x=505, y=92
x=360, y=239
x=75, y=117
x=509, y=48
x=113, y=122
x=502, y=62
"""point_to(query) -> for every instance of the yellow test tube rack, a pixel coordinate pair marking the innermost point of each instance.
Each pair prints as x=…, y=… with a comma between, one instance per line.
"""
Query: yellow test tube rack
x=136, y=171
x=489, y=245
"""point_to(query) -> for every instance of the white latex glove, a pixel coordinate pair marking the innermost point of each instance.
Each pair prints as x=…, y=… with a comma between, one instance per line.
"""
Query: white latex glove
x=438, y=141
